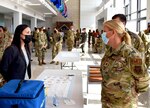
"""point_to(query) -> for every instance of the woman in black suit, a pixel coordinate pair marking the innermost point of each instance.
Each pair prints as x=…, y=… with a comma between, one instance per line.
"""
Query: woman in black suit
x=15, y=63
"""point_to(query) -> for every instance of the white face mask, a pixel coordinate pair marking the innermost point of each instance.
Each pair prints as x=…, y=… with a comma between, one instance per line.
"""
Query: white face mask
x=104, y=38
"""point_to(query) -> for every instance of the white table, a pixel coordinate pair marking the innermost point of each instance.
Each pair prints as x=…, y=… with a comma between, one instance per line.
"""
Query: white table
x=75, y=92
x=67, y=56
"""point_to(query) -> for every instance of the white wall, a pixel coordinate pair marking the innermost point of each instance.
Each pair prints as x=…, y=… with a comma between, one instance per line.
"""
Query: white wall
x=16, y=7
x=107, y=9
x=88, y=12
x=73, y=9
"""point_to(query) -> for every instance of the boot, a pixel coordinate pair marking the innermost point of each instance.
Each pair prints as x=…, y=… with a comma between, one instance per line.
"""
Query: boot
x=52, y=62
x=57, y=63
x=40, y=63
x=43, y=62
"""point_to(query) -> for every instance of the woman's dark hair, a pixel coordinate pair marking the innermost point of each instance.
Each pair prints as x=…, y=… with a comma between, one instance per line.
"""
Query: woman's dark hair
x=18, y=31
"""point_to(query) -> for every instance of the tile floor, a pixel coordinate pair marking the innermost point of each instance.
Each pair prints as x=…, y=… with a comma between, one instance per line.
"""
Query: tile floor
x=88, y=58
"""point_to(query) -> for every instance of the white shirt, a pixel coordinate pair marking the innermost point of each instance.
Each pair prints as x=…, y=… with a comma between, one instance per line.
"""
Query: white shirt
x=27, y=62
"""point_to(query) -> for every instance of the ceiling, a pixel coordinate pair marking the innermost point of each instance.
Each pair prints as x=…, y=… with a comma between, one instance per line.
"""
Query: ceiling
x=35, y=5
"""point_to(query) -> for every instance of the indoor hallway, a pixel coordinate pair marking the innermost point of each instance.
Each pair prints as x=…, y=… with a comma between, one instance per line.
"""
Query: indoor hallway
x=92, y=99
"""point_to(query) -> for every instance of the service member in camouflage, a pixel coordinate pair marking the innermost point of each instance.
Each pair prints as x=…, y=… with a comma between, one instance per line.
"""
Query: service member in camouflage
x=145, y=35
x=123, y=69
x=78, y=37
x=2, y=41
x=8, y=38
x=70, y=38
x=98, y=45
x=136, y=40
x=56, y=44
x=42, y=44
x=35, y=35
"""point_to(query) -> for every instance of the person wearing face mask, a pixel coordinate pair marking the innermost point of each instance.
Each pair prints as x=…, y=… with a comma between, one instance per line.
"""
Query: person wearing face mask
x=123, y=69
x=15, y=63
x=42, y=45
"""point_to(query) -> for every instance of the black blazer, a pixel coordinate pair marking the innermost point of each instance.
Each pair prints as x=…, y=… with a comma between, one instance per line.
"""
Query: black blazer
x=13, y=64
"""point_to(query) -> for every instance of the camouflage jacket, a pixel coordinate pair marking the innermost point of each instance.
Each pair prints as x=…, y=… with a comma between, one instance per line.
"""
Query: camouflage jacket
x=124, y=76
x=70, y=35
x=42, y=40
x=145, y=36
x=136, y=41
x=56, y=38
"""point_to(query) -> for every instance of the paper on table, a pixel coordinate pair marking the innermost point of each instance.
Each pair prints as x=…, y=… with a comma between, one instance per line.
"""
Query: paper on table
x=57, y=85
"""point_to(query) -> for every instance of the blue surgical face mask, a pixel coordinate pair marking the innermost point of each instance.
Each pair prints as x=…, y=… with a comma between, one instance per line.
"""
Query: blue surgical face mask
x=104, y=38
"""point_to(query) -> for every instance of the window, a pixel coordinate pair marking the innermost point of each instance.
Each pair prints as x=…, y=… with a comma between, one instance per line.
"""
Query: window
x=143, y=13
x=143, y=24
x=143, y=4
x=133, y=16
x=136, y=11
x=131, y=25
x=133, y=6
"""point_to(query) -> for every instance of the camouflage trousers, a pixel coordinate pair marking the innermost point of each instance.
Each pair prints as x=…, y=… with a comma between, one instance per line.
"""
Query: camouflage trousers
x=56, y=48
x=41, y=54
x=36, y=49
x=70, y=45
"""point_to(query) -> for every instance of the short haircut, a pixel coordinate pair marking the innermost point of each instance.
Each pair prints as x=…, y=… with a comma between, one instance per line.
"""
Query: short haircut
x=84, y=29
x=2, y=28
x=148, y=24
x=122, y=17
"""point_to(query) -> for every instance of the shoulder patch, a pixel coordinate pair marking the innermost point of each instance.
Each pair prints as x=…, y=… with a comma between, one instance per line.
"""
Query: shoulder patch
x=138, y=69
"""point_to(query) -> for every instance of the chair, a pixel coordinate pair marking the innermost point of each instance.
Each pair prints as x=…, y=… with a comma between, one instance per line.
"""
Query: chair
x=94, y=75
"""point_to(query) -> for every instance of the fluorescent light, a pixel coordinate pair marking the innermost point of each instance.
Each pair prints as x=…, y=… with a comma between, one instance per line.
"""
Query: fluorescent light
x=34, y=4
x=48, y=13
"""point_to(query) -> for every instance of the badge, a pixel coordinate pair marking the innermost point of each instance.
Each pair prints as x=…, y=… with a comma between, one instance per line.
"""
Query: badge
x=136, y=61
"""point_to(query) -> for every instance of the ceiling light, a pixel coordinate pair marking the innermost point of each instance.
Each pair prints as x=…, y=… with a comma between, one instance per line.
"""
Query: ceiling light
x=48, y=13
x=34, y=4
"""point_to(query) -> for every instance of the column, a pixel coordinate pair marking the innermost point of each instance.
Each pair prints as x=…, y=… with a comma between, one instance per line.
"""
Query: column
x=33, y=23
x=17, y=19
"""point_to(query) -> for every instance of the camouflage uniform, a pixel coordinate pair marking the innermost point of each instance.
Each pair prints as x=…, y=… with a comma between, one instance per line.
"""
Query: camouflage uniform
x=78, y=37
x=124, y=76
x=36, y=42
x=70, y=39
x=56, y=44
x=99, y=45
x=8, y=39
x=42, y=44
x=2, y=42
x=145, y=35
x=137, y=42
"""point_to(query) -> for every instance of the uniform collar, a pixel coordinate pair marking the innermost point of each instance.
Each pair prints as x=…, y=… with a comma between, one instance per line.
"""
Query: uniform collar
x=112, y=51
